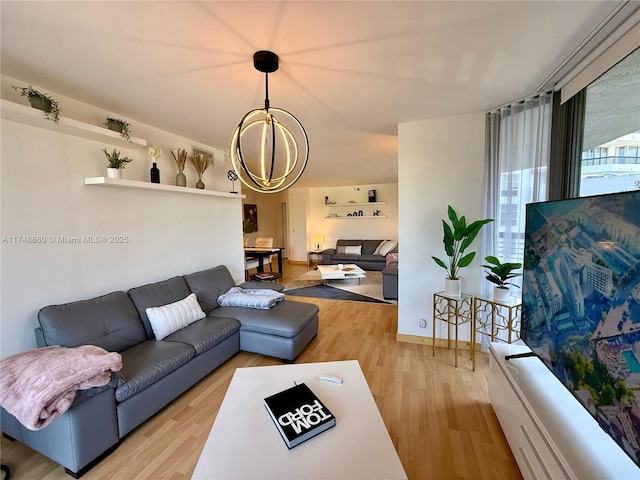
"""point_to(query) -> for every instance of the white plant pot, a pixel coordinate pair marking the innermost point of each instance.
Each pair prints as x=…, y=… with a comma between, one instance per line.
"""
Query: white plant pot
x=452, y=288
x=501, y=294
x=114, y=173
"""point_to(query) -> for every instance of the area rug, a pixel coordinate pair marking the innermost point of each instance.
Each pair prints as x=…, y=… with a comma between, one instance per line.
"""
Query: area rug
x=311, y=285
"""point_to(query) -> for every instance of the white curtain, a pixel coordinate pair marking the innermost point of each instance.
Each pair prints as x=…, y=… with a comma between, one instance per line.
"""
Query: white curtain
x=516, y=160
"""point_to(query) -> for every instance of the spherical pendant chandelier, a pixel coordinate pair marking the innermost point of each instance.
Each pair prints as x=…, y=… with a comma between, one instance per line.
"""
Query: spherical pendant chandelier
x=269, y=148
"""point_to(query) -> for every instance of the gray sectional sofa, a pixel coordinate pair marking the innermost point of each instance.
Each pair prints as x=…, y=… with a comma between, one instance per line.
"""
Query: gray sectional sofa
x=154, y=372
x=366, y=259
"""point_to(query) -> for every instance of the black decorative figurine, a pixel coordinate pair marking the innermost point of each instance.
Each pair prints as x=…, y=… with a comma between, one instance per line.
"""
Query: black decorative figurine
x=233, y=176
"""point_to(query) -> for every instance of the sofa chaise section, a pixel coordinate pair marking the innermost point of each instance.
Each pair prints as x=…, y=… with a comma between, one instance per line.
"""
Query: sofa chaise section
x=281, y=331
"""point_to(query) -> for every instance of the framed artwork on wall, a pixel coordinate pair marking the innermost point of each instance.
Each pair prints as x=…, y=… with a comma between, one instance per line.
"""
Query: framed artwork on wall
x=207, y=155
x=250, y=217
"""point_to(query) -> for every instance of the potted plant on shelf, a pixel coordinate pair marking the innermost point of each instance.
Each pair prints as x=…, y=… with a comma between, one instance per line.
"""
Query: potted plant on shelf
x=499, y=273
x=41, y=101
x=120, y=126
x=457, y=238
x=116, y=163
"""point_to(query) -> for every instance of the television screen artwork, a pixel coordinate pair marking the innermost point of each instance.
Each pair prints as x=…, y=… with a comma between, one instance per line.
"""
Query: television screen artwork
x=581, y=304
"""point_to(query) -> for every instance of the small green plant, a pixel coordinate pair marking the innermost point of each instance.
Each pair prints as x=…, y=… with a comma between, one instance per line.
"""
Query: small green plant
x=119, y=125
x=457, y=238
x=115, y=160
x=499, y=273
x=41, y=101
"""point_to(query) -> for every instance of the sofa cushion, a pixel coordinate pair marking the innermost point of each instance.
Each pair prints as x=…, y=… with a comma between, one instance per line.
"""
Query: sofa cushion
x=148, y=362
x=353, y=250
x=209, y=284
x=369, y=246
x=109, y=321
x=206, y=333
x=371, y=258
x=286, y=319
x=341, y=244
x=386, y=247
x=344, y=258
x=156, y=295
x=170, y=318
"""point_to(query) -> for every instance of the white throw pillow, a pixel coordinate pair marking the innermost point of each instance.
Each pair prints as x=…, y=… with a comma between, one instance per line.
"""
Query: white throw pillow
x=353, y=250
x=377, y=250
x=385, y=247
x=170, y=318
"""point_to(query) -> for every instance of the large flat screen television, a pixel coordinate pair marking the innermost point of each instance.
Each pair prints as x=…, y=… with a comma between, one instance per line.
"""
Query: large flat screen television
x=581, y=304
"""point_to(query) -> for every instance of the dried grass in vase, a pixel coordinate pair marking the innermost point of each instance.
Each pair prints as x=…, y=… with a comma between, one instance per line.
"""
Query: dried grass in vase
x=200, y=162
x=180, y=156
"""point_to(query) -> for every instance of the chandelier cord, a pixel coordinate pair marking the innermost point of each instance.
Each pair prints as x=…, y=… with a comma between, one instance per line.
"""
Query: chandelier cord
x=266, y=91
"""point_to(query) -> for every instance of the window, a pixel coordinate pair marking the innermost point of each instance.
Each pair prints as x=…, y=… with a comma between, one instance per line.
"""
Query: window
x=611, y=138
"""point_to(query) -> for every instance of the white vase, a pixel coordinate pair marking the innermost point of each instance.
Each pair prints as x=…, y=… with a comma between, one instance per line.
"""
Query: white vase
x=114, y=173
x=501, y=294
x=452, y=288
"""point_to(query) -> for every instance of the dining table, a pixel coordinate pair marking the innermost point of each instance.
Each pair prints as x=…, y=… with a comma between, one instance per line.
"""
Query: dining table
x=261, y=252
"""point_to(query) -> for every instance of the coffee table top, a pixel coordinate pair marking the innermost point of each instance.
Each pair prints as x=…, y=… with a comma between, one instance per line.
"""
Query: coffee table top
x=244, y=443
x=349, y=270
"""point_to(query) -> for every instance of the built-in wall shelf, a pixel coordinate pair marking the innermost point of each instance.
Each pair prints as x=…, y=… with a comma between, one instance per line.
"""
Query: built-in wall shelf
x=121, y=183
x=358, y=216
x=340, y=212
x=356, y=204
x=34, y=117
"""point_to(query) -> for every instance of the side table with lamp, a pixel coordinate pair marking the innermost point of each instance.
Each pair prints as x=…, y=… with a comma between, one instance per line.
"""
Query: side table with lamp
x=318, y=242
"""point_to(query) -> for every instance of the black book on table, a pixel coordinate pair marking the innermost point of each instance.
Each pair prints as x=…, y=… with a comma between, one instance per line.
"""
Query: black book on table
x=298, y=414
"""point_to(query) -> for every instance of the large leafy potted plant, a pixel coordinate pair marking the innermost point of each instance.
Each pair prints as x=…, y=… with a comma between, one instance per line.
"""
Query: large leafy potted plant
x=499, y=274
x=458, y=236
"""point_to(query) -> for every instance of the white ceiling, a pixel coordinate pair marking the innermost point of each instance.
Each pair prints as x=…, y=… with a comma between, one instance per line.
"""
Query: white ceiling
x=350, y=71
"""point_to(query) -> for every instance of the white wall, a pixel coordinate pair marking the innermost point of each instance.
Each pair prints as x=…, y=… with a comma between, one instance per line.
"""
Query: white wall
x=43, y=194
x=354, y=228
x=298, y=211
x=440, y=163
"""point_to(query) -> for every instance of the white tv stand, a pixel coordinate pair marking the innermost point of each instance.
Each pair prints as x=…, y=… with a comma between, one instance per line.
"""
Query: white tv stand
x=550, y=434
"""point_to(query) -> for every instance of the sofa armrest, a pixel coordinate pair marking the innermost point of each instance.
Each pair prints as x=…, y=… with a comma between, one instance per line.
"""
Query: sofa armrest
x=82, y=434
x=40, y=341
x=327, y=254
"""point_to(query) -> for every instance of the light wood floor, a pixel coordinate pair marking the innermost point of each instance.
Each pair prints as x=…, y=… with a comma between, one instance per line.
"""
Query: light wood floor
x=439, y=417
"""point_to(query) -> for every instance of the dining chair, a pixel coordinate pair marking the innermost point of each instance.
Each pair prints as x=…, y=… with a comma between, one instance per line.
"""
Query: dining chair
x=249, y=263
x=265, y=243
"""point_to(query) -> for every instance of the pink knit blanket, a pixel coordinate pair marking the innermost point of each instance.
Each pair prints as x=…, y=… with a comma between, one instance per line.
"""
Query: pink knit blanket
x=39, y=385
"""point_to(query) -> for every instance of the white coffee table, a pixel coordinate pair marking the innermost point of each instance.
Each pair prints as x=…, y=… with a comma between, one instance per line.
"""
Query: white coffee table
x=348, y=270
x=244, y=443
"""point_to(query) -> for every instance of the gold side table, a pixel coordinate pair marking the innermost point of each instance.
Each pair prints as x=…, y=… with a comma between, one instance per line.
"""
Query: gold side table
x=455, y=311
x=497, y=319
